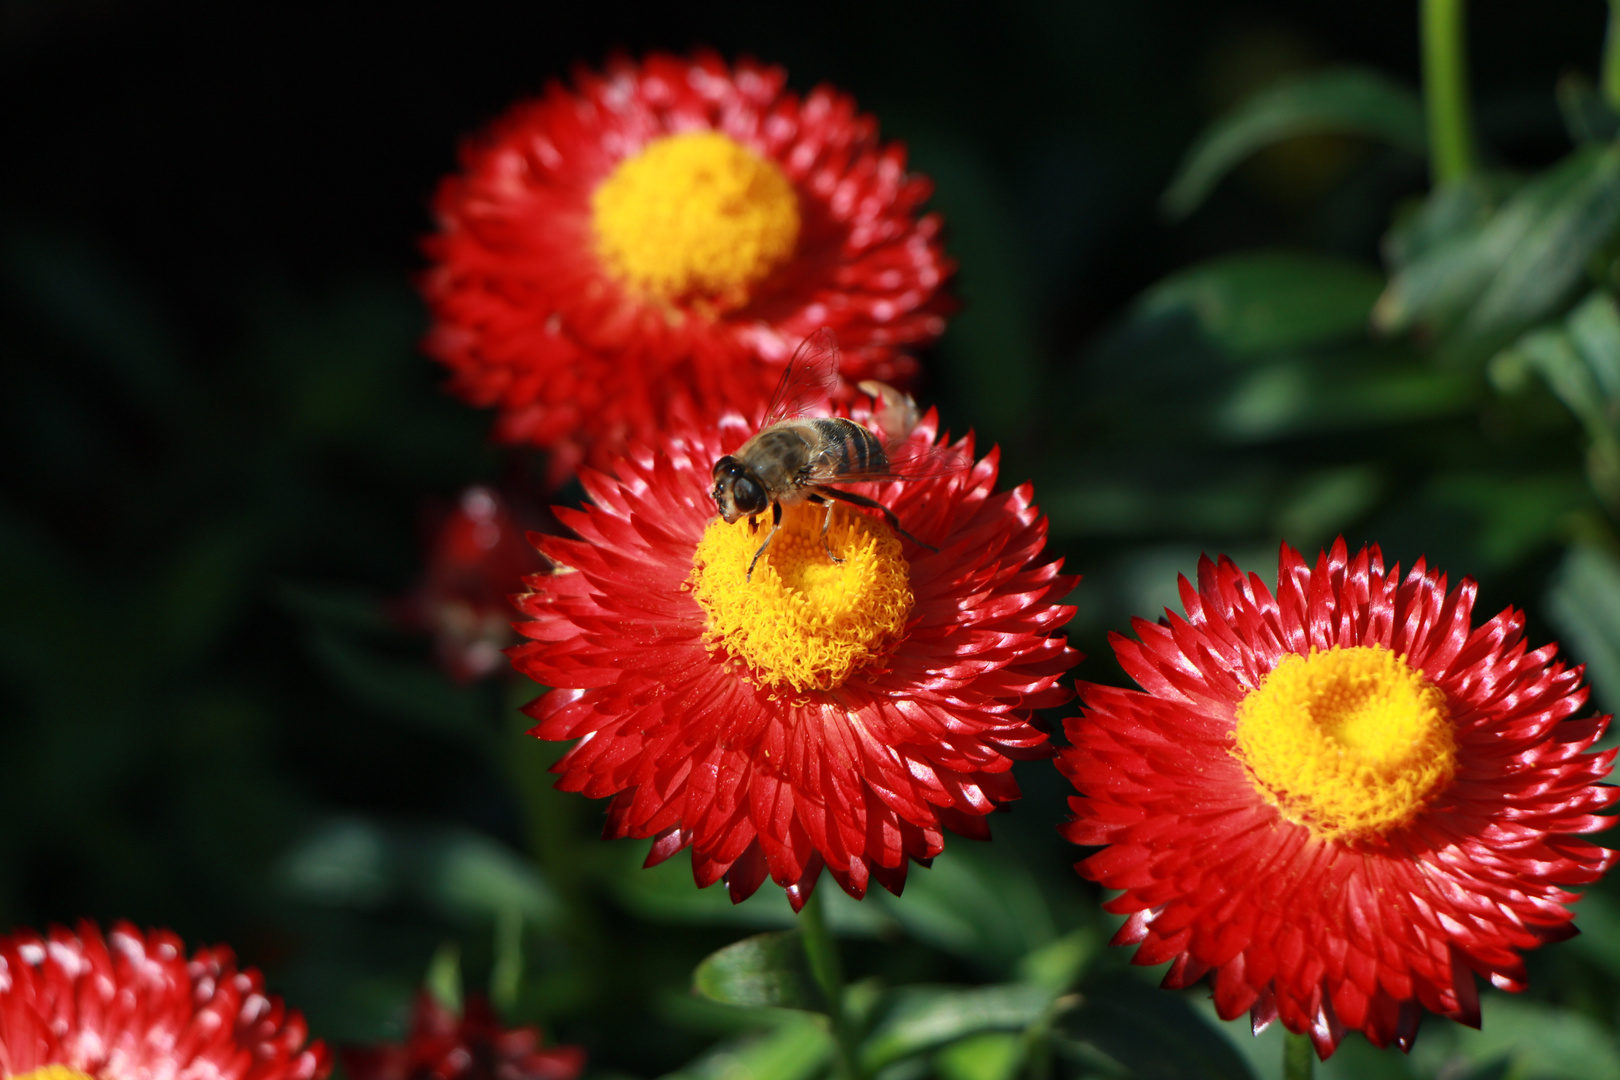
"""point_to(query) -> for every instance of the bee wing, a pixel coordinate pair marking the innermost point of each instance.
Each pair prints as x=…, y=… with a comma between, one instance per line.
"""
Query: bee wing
x=915, y=462
x=810, y=376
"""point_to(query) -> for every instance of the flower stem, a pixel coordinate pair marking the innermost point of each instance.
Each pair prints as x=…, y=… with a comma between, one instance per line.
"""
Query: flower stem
x=1611, y=58
x=1299, y=1060
x=828, y=971
x=1445, y=91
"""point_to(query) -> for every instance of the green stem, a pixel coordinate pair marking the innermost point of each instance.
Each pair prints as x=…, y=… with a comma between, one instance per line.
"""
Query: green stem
x=1445, y=91
x=553, y=823
x=828, y=970
x=1299, y=1059
x=1611, y=58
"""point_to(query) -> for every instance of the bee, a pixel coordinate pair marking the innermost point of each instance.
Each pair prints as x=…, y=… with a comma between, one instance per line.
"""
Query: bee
x=797, y=457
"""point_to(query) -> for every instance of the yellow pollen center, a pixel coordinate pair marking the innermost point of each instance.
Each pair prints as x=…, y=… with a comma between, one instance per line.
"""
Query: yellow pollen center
x=53, y=1072
x=1350, y=742
x=696, y=214
x=803, y=621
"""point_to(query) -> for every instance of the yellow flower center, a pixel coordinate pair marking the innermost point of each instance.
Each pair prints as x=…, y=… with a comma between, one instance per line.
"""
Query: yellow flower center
x=695, y=214
x=53, y=1072
x=803, y=621
x=1348, y=742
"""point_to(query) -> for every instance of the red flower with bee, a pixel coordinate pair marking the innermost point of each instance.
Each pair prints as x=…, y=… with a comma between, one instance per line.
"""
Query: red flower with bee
x=131, y=1006
x=822, y=690
x=646, y=248
x=1342, y=800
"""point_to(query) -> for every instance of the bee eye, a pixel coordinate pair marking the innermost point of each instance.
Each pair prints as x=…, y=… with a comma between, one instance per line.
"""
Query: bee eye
x=749, y=496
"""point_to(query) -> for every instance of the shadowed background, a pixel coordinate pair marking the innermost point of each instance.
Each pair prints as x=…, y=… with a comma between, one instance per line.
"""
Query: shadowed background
x=219, y=440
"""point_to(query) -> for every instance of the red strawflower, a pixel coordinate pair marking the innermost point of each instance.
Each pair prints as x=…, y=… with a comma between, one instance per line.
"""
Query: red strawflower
x=132, y=1007
x=815, y=713
x=472, y=1046
x=477, y=558
x=1343, y=801
x=649, y=246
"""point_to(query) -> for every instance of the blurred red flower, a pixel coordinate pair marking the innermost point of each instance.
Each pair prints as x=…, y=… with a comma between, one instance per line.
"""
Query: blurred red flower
x=650, y=246
x=819, y=713
x=477, y=557
x=130, y=1006
x=1343, y=801
x=472, y=1046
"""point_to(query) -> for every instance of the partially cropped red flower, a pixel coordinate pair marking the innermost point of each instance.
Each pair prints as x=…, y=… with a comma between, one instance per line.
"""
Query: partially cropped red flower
x=131, y=1006
x=477, y=558
x=651, y=244
x=1342, y=801
x=472, y=1046
x=814, y=712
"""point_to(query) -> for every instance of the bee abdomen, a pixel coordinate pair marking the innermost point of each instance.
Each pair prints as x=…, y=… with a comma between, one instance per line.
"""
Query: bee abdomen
x=848, y=447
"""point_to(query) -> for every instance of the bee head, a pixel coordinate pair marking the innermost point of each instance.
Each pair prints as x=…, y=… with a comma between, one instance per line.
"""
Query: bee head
x=736, y=492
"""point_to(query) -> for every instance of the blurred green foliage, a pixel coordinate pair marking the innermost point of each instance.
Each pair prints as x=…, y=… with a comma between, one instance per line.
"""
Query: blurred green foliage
x=219, y=439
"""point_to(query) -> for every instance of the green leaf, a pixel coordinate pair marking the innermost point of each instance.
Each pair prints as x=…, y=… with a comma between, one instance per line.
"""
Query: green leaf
x=978, y=903
x=764, y=970
x=1594, y=330
x=695, y=1013
x=1268, y=300
x=343, y=864
x=1446, y=215
x=1578, y=218
x=790, y=1052
x=1534, y=1040
x=665, y=893
x=1584, y=604
x=1580, y=363
x=1234, y=504
x=1057, y=965
x=922, y=1018
x=1599, y=941
x=1517, y=265
x=1310, y=395
x=469, y=876
x=1587, y=117
x=443, y=978
x=461, y=873
x=1325, y=502
x=992, y=1055
x=506, y=973
x=1347, y=100
x=1512, y=515
x=1151, y=1033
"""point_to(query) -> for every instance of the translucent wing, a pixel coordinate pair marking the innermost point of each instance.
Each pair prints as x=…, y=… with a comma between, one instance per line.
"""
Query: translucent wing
x=920, y=461
x=912, y=461
x=811, y=375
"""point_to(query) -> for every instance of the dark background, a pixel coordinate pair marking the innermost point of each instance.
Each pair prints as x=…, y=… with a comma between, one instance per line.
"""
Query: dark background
x=217, y=439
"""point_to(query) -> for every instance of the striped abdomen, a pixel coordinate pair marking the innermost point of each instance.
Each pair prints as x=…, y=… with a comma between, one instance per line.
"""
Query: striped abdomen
x=843, y=448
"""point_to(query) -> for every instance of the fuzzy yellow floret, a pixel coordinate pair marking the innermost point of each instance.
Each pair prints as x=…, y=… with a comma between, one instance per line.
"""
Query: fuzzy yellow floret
x=1347, y=741
x=803, y=621
x=695, y=214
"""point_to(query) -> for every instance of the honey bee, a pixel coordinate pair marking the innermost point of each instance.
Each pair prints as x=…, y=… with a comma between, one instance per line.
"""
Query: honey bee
x=796, y=457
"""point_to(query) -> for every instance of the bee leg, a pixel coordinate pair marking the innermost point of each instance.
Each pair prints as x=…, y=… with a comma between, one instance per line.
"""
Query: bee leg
x=776, y=523
x=826, y=522
x=888, y=515
x=753, y=523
